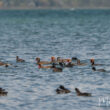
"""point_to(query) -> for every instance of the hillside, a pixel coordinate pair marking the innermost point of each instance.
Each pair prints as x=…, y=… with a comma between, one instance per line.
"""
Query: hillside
x=54, y=3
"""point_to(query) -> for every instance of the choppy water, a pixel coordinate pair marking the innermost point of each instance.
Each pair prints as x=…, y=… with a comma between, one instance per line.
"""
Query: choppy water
x=45, y=33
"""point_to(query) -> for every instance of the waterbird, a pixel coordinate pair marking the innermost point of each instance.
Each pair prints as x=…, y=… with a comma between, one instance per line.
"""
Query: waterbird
x=42, y=62
x=3, y=92
x=41, y=66
x=81, y=93
x=4, y=64
x=19, y=60
x=62, y=90
x=100, y=70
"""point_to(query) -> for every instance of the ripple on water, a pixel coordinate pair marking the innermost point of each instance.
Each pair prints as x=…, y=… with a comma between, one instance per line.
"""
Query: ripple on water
x=45, y=33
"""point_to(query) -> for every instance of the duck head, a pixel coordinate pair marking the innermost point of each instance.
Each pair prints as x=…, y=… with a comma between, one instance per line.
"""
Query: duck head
x=92, y=61
x=77, y=90
x=74, y=58
x=52, y=58
x=61, y=87
x=68, y=60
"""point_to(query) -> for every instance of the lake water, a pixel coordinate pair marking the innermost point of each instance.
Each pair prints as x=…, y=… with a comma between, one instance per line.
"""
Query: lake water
x=44, y=33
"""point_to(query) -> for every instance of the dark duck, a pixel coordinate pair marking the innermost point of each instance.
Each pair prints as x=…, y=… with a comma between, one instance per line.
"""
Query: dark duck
x=100, y=70
x=62, y=90
x=3, y=92
x=81, y=93
x=19, y=59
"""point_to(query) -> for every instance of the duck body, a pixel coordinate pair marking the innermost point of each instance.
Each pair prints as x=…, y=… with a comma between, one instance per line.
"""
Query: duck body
x=82, y=94
x=100, y=70
x=19, y=60
x=62, y=90
x=4, y=64
x=42, y=62
x=41, y=66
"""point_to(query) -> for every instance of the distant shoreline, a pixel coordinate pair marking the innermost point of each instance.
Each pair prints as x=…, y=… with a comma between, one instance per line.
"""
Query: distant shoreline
x=53, y=8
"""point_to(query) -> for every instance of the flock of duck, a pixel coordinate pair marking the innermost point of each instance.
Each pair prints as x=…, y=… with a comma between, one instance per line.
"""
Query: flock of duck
x=57, y=65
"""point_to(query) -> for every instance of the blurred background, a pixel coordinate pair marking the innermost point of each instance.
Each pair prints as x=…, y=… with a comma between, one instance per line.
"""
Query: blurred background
x=33, y=4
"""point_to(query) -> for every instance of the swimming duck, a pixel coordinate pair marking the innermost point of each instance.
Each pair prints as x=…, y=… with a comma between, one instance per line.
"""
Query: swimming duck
x=42, y=62
x=62, y=90
x=41, y=66
x=81, y=94
x=19, y=60
x=3, y=92
x=4, y=64
x=100, y=70
x=93, y=62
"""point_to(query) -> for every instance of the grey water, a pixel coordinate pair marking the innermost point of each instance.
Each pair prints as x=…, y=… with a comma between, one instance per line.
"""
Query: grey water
x=84, y=34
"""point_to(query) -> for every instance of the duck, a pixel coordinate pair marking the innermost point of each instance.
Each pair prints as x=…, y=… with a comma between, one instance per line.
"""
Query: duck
x=93, y=62
x=62, y=90
x=42, y=62
x=100, y=70
x=19, y=60
x=4, y=64
x=3, y=92
x=41, y=66
x=82, y=93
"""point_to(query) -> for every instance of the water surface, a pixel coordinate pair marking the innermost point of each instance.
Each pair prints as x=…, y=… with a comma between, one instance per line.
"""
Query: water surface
x=44, y=33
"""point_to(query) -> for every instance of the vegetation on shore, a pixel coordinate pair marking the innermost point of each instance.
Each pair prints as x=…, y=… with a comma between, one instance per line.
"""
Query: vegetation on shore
x=54, y=3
